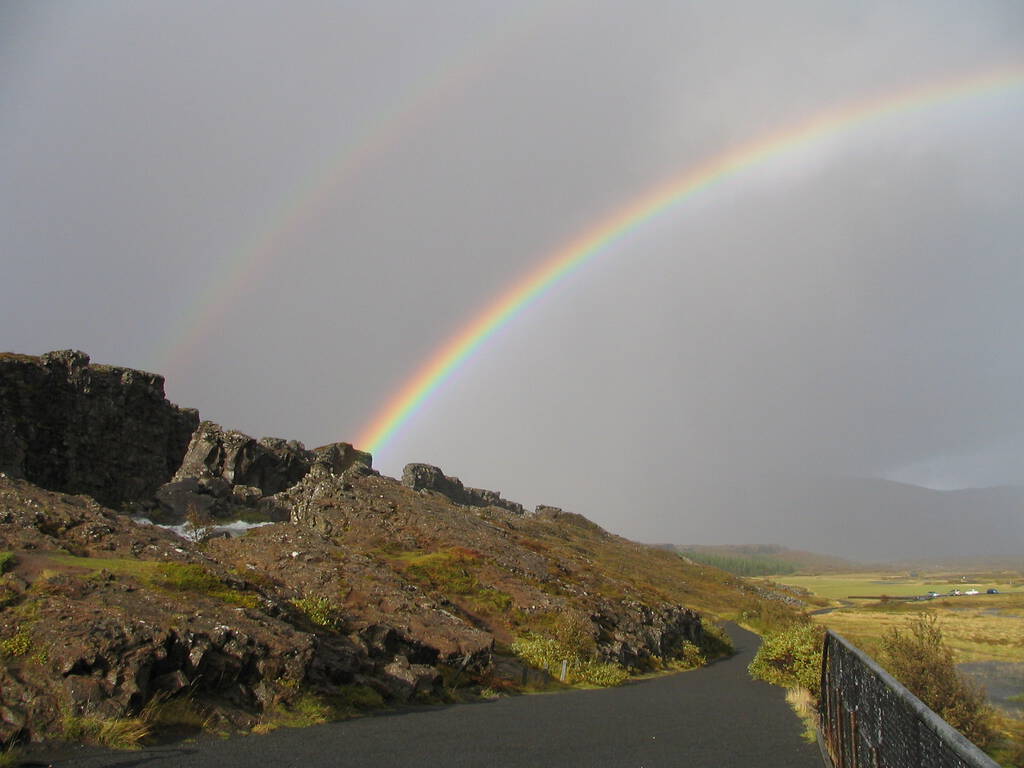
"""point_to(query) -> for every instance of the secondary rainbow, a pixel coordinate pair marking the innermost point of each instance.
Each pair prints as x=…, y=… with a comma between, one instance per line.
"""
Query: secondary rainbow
x=313, y=190
x=440, y=366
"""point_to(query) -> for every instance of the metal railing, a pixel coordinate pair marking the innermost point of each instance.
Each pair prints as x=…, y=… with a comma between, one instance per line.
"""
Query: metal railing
x=868, y=719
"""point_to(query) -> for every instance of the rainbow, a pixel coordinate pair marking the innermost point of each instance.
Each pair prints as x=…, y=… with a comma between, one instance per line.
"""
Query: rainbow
x=440, y=366
x=311, y=194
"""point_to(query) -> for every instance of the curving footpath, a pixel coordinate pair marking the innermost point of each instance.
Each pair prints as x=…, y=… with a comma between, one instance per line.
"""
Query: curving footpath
x=714, y=717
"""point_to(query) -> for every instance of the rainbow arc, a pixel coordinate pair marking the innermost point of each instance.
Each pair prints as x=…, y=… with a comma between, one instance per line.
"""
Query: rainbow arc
x=559, y=265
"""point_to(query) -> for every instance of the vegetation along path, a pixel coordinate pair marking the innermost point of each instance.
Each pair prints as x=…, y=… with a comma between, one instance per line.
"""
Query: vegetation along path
x=715, y=716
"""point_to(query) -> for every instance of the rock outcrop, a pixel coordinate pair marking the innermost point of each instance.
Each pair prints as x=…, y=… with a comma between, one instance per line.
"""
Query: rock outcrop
x=431, y=478
x=101, y=430
x=226, y=474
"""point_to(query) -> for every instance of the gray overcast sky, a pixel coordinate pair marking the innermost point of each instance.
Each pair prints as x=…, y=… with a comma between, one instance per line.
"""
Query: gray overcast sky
x=286, y=207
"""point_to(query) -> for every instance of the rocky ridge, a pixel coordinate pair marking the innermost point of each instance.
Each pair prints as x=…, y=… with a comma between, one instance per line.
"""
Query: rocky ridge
x=393, y=590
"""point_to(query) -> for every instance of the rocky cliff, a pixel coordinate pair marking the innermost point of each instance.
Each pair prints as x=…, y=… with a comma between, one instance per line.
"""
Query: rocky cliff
x=107, y=432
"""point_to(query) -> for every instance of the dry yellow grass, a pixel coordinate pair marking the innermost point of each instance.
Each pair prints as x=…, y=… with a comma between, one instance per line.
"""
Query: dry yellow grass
x=978, y=628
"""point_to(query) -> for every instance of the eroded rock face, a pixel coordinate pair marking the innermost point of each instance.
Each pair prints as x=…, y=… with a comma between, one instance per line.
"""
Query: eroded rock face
x=270, y=464
x=225, y=470
x=105, y=431
x=630, y=632
x=431, y=478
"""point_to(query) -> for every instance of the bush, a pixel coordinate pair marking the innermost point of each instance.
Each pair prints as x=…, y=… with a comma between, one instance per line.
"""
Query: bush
x=320, y=610
x=548, y=654
x=791, y=657
x=920, y=659
x=7, y=561
x=715, y=642
x=691, y=656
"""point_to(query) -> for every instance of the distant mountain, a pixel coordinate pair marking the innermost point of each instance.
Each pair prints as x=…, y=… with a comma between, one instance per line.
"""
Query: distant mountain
x=868, y=519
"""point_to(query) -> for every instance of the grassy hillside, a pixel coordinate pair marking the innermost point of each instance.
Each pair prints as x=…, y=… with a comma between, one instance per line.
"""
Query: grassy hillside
x=762, y=559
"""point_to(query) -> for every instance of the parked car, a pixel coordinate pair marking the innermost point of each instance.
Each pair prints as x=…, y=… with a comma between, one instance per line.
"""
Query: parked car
x=992, y=591
x=955, y=592
x=972, y=592
x=933, y=594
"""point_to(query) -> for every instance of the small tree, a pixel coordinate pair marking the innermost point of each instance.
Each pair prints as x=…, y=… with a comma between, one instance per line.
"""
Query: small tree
x=920, y=659
x=198, y=523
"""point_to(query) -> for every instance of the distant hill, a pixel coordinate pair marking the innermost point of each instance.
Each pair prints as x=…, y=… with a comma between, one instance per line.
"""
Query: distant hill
x=764, y=559
x=868, y=519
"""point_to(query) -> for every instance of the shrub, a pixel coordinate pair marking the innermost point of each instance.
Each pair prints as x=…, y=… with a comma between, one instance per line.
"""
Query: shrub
x=17, y=645
x=920, y=659
x=691, y=656
x=715, y=642
x=548, y=654
x=7, y=561
x=597, y=673
x=791, y=657
x=198, y=523
x=320, y=610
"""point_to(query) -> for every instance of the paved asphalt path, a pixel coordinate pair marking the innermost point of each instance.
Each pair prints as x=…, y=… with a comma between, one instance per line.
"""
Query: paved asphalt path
x=714, y=717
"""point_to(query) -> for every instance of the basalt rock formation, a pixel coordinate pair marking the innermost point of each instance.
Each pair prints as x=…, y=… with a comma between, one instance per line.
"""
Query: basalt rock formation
x=431, y=478
x=96, y=429
x=224, y=472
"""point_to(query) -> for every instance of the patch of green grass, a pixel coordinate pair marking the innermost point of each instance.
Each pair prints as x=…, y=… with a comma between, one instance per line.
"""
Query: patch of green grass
x=7, y=561
x=313, y=709
x=173, y=577
x=451, y=571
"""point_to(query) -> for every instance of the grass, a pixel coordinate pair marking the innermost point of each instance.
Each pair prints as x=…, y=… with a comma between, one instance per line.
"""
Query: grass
x=802, y=702
x=453, y=571
x=840, y=586
x=169, y=577
x=7, y=561
x=310, y=708
x=10, y=757
x=113, y=732
x=977, y=627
